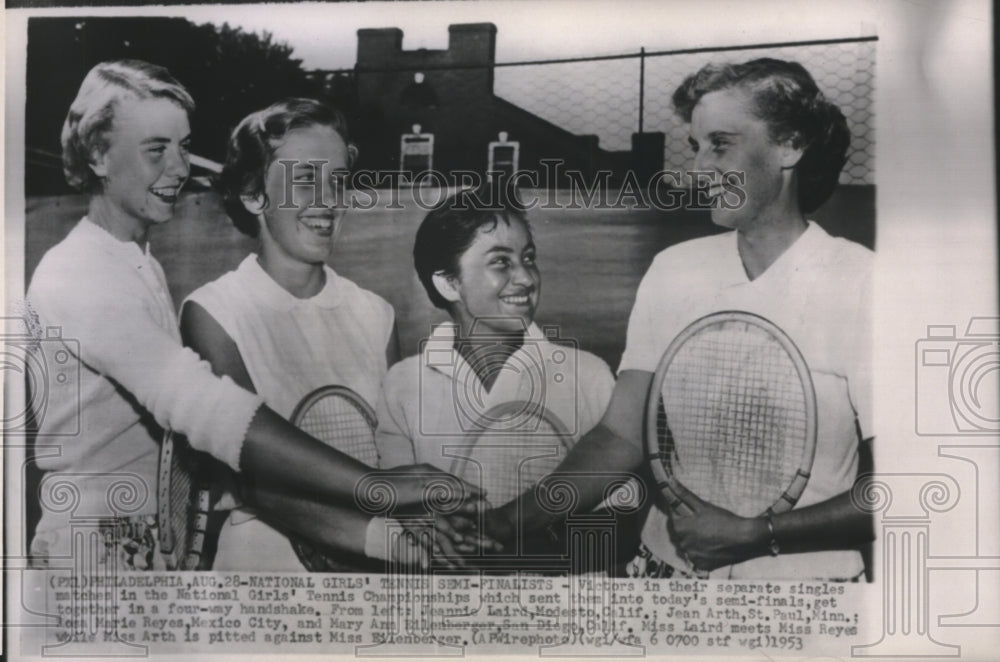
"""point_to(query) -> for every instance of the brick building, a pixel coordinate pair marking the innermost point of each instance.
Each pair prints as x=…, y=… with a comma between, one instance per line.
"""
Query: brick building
x=449, y=93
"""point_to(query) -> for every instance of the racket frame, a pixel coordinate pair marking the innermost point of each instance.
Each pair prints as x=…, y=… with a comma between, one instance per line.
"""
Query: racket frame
x=309, y=556
x=679, y=498
x=484, y=431
x=179, y=556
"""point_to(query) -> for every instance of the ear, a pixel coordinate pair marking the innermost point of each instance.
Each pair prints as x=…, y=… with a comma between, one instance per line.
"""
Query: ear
x=99, y=163
x=790, y=152
x=253, y=204
x=446, y=286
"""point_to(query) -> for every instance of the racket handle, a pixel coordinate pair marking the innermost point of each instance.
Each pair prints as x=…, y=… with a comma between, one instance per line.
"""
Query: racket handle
x=675, y=502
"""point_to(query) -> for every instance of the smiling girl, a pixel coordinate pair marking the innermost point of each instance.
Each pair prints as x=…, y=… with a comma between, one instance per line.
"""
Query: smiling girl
x=478, y=262
x=766, y=120
x=284, y=323
x=125, y=143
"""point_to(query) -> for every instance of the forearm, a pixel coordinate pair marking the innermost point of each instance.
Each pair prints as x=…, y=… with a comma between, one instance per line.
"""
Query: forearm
x=602, y=458
x=332, y=526
x=833, y=524
x=277, y=456
x=711, y=537
x=599, y=461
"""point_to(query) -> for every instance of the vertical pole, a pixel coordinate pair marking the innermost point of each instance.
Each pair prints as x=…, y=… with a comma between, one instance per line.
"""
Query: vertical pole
x=642, y=84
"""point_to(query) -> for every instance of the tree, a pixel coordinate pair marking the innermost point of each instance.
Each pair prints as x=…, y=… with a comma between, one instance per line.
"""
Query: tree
x=228, y=71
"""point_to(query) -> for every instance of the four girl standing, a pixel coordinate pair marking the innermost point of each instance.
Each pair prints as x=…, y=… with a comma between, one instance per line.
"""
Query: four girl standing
x=284, y=322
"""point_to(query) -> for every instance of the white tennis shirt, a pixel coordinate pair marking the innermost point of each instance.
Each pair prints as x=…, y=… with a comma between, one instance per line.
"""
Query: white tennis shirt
x=290, y=347
x=432, y=398
x=109, y=301
x=819, y=292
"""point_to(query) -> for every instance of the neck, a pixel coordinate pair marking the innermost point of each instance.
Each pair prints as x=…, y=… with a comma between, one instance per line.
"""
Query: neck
x=301, y=279
x=122, y=226
x=767, y=238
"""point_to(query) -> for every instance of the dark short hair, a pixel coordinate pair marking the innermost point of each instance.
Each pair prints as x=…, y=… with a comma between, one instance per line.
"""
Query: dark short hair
x=91, y=115
x=252, y=145
x=786, y=97
x=451, y=227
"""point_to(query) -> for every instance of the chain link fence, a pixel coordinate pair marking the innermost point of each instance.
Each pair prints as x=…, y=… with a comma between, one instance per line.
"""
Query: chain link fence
x=614, y=97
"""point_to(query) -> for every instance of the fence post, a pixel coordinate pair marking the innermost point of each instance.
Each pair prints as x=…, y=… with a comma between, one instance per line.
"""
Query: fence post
x=642, y=84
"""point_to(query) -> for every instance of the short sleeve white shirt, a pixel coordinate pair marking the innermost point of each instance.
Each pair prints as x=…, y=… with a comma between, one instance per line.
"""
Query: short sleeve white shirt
x=819, y=292
x=431, y=399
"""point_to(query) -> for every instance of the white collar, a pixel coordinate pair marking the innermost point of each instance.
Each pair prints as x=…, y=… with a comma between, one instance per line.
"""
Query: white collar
x=799, y=250
x=439, y=351
x=275, y=296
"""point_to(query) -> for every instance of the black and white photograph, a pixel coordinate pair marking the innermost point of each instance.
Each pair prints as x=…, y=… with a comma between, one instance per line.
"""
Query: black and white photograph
x=501, y=328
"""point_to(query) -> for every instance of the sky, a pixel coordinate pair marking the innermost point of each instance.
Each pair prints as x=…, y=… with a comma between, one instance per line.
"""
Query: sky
x=324, y=36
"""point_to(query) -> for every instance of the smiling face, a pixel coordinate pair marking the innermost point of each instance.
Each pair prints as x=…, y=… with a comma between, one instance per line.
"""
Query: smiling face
x=146, y=160
x=303, y=212
x=727, y=137
x=498, y=284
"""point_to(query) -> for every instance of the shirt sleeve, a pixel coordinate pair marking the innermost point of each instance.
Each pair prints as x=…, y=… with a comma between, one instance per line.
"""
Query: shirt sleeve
x=119, y=337
x=641, y=341
x=597, y=383
x=393, y=438
x=859, y=373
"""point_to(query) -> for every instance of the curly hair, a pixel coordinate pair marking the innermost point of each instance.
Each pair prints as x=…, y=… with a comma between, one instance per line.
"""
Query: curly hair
x=251, y=149
x=786, y=97
x=91, y=115
x=449, y=230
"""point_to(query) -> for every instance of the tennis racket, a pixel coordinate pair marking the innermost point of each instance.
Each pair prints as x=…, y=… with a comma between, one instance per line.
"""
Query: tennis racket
x=341, y=418
x=731, y=417
x=510, y=448
x=183, y=503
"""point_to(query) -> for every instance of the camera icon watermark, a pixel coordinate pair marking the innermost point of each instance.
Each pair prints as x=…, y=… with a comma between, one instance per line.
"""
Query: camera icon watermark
x=957, y=379
x=45, y=365
x=540, y=372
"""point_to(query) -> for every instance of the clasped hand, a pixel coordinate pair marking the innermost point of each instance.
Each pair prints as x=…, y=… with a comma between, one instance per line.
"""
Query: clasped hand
x=438, y=530
x=709, y=537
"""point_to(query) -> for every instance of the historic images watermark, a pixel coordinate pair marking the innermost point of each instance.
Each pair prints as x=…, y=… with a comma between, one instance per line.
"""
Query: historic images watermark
x=664, y=190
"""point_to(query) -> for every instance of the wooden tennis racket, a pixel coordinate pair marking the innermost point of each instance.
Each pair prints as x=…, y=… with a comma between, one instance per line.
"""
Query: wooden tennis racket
x=183, y=502
x=731, y=417
x=510, y=448
x=341, y=418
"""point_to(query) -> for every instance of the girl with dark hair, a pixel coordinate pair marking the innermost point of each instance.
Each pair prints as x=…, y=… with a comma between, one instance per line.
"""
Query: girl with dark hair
x=476, y=260
x=765, y=123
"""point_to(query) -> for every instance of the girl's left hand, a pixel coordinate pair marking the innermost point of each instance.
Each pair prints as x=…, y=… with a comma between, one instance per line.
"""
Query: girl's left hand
x=712, y=537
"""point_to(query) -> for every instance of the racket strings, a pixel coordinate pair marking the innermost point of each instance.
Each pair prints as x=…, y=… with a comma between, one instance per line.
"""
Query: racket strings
x=736, y=408
x=337, y=421
x=341, y=419
x=506, y=462
x=185, y=504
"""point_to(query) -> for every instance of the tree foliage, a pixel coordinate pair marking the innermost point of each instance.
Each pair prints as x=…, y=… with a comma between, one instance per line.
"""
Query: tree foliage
x=229, y=72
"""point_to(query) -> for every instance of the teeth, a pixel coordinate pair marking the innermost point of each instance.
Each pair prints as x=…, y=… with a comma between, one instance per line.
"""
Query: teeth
x=516, y=300
x=319, y=223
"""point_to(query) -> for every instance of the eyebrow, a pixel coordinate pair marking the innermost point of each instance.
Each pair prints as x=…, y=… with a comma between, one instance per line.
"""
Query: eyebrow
x=723, y=134
x=309, y=165
x=714, y=135
x=161, y=139
x=508, y=249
